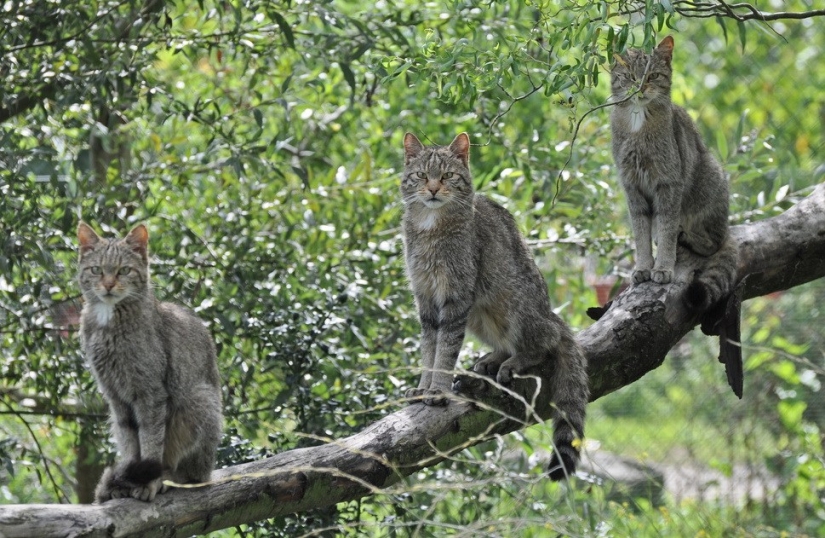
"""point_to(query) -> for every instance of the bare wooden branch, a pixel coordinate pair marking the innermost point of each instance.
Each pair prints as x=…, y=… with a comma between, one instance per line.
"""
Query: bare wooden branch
x=631, y=339
x=741, y=11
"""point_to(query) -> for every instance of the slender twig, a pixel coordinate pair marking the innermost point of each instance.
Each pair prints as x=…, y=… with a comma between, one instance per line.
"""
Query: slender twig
x=513, y=101
x=724, y=9
x=576, y=135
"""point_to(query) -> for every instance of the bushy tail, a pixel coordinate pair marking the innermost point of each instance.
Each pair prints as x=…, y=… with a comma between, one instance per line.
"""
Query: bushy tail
x=570, y=393
x=715, y=281
x=713, y=293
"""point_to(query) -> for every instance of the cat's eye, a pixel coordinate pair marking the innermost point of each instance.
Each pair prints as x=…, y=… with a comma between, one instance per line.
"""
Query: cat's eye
x=446, y=175
x=653, y=76
x=421, y=175
x=95, y=269
x=124, y=271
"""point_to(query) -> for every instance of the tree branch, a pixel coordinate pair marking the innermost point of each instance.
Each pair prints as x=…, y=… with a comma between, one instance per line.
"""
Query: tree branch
x=742, y=11
x=631, y=339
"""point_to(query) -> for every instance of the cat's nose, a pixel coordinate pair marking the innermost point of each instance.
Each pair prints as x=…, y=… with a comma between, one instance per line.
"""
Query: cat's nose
x=108, y=283
x=433, y=190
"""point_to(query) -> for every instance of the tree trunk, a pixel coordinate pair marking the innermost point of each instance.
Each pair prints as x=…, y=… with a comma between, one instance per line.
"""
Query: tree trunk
x=631, y=339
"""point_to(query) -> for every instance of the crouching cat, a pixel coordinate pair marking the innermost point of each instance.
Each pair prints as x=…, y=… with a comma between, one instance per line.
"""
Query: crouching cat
x=676, y=191
x=470, y=268
x=155, y=364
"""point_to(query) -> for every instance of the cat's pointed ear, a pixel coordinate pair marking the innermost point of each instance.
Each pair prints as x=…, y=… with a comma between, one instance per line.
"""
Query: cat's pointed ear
x=87, y=237
x=665, y=47
x=138, y=240
x=412, y=147
x=461, y=148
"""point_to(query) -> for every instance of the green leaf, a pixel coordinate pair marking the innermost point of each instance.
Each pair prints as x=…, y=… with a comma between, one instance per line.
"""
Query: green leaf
x=285, y=28
x=348, y=75
x=741, y=26
x=285, y=84
x=790, y=413
x=721, y=22
x=722, y=144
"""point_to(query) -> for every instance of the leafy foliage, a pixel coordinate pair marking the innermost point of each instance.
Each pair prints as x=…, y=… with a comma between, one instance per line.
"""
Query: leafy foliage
x=260, y=142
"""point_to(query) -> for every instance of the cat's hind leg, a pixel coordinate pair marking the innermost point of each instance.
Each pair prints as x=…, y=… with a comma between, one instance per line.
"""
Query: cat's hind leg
x=193, y=435
x=699, y=243
x=522, y=363
x=196, y=468
x=490, y=363
x=486, y=366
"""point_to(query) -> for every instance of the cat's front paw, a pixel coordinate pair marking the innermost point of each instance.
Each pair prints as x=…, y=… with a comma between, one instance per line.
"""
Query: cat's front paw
x=640, y=275
x=108, y=488
x=435, y=398
x=662, y=276
x=414, y=395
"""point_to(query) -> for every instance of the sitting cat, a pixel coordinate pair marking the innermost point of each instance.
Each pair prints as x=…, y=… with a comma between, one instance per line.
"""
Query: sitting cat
x=470, y=268
x=676, y=190
x=155, y=364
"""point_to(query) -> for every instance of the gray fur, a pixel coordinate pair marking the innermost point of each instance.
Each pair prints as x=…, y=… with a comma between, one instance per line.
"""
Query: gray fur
x=155, y=364
x=470, y=268
x=676, y=191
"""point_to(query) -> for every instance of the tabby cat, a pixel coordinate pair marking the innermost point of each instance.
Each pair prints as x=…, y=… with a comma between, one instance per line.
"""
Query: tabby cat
x=470, y=268
x=155, y=365
x=676, y=190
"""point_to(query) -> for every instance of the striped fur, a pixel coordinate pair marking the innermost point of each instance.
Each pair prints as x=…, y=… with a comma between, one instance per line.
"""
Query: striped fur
x=154, y=363
x=677, y=193
x=470, y=269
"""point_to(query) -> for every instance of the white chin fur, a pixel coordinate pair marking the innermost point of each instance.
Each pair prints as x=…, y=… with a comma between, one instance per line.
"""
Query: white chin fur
x=429, y=218
x=434, y=204
x=103, y=312
x=637, y=116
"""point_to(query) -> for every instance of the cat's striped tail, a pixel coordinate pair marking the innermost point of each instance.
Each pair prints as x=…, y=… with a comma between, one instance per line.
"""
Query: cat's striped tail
x=715, y=281
x=713, y=295
x=570, y=393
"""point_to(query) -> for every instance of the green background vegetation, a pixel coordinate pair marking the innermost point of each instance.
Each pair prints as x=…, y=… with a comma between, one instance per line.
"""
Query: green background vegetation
x=261, y=143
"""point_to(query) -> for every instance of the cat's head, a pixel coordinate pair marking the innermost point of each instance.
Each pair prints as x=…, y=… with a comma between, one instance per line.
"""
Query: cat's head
x=111, y=270
x=437, y=175
x=648, y=74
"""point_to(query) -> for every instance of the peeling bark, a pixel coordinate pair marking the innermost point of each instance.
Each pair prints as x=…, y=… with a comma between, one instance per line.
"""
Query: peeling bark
x=631, y=339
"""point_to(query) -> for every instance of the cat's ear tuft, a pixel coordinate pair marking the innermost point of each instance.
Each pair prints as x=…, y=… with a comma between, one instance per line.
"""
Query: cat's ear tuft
x=665, y=47
x=138, y=240
x=461, y=148
x=412, y=147
x=87, y=237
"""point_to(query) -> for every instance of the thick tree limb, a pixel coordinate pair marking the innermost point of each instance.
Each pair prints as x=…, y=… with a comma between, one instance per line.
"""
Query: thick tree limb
x=630, y=340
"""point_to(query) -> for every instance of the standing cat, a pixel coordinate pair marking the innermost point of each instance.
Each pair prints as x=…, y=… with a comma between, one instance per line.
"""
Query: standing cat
x=676, y=190
x=155, y=364
x=469, y=268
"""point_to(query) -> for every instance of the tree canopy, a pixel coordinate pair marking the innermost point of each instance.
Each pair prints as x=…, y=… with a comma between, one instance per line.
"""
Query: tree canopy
x=261, y=144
